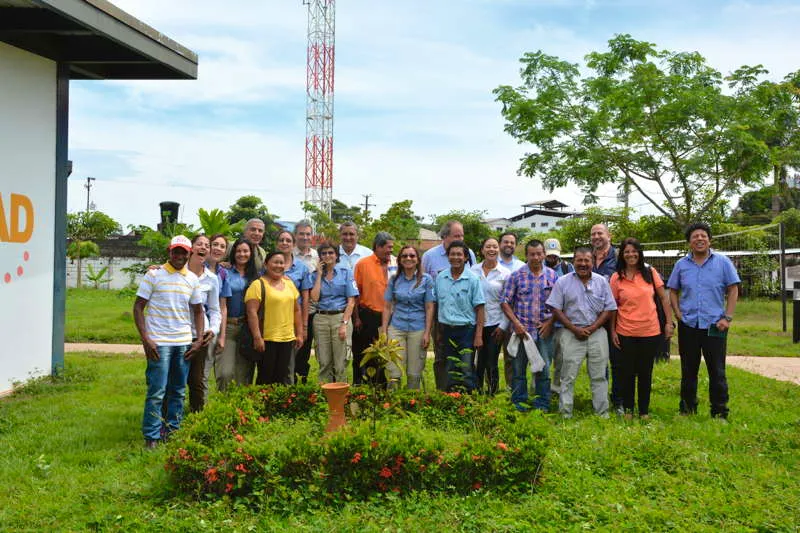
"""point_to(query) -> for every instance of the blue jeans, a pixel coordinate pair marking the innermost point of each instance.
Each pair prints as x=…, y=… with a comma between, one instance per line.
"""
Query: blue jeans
x=519, y=385
x=458, y=349
x=166, y=382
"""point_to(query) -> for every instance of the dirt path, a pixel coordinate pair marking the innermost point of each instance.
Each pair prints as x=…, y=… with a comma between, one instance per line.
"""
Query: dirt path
x=780, y=368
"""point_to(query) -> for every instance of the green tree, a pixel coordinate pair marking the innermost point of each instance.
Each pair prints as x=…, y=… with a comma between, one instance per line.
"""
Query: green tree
x=324, y=227
x=655, y=119
x=83, y=228
x=399, y=220
x=250, y=206
x=475, y=231
x=154, y=243
x=756, y=207
x=216, y=221
x=341, y=212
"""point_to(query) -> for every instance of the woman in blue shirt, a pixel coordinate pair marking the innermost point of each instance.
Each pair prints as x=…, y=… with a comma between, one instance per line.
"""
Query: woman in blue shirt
x=335, y=292
x=408, y=315
x=229, y=365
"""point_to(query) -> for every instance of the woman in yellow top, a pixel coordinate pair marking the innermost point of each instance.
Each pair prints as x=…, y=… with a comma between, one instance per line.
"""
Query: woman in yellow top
x=283, y=326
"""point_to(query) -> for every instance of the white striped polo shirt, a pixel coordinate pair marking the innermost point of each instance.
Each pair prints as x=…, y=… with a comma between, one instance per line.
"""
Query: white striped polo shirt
x=168, y=314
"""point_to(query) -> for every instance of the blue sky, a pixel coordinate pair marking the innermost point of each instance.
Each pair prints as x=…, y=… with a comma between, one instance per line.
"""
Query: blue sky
x=415, y=117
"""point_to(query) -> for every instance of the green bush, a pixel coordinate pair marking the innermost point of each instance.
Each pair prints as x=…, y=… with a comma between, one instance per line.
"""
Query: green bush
x=267, y=446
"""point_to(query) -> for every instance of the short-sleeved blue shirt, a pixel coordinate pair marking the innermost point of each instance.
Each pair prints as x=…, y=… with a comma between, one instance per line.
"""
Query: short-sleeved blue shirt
x=333, y=294
x=582, y=304
x=408, y=301
x=237, y=285
x=300, y=276
x=703, y=288
x=457, y=298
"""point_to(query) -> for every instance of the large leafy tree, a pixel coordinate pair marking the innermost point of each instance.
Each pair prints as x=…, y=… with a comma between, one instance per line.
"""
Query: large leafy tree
x=341, y=212
x=83, y=228
x=475, y=231
x=250, y=206
x=653, y=121
x=399, y=220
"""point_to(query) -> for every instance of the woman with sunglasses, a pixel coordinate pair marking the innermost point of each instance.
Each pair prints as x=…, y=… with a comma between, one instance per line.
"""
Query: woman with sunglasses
x=408, y=315
x=335, y=292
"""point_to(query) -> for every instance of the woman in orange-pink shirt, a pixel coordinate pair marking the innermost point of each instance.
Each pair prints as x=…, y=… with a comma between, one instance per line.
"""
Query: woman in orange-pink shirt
x=635, y=329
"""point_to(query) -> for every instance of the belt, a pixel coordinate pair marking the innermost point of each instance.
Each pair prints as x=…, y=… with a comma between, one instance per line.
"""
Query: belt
x=332, y=312
x=462, y=326
x=235, y=320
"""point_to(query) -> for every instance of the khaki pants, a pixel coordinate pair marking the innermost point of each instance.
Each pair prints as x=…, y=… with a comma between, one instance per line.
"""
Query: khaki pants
x=331, y=350
x=229, y=366
x=199, y=370
x=573, y=352
x=413, y=357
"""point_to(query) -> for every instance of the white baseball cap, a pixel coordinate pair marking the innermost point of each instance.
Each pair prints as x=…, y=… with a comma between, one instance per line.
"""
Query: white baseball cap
x=179, y=241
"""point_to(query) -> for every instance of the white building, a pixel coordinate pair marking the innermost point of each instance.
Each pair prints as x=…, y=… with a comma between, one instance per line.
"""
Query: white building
x=539, y=217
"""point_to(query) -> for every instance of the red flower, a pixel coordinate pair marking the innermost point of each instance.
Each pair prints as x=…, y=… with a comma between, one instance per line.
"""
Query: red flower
x=230, y=475
x=461, y=410
x=422, y=468
x=387, y=405
x=356, y=458
x=361, y=397
x=239, y=437
x=263, y=419
x=502, y=446
x=413, y=402
x=184, y=454
x=385, y=473
x=373, y=444
x=241, y=468
x=476, y=485
x=478, y=457
x=212, y=475
x=228, y=487
x=313, y=397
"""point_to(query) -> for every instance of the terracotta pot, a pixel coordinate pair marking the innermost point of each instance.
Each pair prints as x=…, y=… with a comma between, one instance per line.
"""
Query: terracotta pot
x=336, y=394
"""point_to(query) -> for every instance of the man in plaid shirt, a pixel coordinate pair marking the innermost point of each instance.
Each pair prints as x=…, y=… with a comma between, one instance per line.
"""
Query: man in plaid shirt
x=523, y=301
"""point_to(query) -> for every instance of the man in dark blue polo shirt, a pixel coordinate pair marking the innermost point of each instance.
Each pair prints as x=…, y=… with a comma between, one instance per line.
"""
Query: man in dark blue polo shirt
x=703, y=294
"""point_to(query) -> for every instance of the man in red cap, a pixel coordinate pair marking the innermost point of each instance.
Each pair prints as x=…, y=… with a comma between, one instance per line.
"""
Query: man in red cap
x=165, y=302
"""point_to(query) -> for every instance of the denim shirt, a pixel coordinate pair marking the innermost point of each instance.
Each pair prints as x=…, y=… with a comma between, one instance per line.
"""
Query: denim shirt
x=237, y=285
x=333, y=294
x=300, y=276
x=408, y=300
x=703, y=288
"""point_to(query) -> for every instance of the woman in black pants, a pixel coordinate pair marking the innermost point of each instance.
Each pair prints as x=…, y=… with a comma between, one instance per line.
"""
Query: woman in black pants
x=635, y=329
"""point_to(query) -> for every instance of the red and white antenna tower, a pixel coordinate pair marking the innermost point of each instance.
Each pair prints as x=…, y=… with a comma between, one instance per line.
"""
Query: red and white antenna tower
x=319, y=103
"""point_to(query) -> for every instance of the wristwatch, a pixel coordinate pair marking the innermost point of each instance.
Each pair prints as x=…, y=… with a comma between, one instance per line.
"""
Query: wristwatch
x=729, y=318
x=345, y=322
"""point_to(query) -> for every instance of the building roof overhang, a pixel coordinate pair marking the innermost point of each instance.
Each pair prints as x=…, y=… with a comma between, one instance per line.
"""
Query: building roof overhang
x=97, y=39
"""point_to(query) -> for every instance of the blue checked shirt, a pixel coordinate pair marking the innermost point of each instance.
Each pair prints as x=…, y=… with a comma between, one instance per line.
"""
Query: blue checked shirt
x=527, y=293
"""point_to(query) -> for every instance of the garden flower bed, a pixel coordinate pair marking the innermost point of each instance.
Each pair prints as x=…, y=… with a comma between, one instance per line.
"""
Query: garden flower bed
x=263, y=443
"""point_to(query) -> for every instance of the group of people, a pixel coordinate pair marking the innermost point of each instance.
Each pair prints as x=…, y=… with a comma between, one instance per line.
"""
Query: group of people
x=193, y=313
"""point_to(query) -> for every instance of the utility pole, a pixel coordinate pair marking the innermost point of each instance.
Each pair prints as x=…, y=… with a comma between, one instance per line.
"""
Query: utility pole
x=88, y=190
x=367, y=205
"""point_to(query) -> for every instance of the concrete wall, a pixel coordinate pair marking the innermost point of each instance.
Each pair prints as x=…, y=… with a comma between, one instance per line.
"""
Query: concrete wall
x=27, y=200
x=119, y=279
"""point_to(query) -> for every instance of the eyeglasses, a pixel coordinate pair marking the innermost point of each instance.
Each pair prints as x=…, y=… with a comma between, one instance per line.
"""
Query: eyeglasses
x=408, y=256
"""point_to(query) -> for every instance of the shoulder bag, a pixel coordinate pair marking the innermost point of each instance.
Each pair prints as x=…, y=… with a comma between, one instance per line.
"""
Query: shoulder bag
x=662, y=354
x=246, y=342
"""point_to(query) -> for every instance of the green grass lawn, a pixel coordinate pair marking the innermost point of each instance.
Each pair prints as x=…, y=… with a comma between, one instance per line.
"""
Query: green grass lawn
x=72, y=459
x=106, y=317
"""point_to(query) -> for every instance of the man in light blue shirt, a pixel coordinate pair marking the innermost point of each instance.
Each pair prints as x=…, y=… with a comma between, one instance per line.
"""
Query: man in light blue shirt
x=460, y=301
x=582, y=302
x=698, y=285
x=435, y=260
x=350, y=252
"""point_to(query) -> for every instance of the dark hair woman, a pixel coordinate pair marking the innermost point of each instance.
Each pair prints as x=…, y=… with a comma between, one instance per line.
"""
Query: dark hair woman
x=229, y=365
x=282, y=329
x=635, y=329
x=408, y=315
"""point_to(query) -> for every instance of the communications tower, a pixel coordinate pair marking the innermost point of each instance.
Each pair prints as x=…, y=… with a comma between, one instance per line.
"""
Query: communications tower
x=319, y=103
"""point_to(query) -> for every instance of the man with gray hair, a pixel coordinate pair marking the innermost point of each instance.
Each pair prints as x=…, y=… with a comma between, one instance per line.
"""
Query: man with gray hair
x=371, y=275
x=434, y=261
x=303, y=237
x=350, y=252
x=254, y=233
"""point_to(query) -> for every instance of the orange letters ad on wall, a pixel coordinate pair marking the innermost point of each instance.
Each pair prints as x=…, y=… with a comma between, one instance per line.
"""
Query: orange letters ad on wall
x=16, y=222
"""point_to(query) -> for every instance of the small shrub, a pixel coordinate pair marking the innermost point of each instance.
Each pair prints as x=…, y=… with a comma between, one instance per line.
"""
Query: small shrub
x=266, y=445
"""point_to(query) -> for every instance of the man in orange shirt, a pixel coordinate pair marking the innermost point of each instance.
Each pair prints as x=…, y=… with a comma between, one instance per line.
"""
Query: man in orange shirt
x=371, y=275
